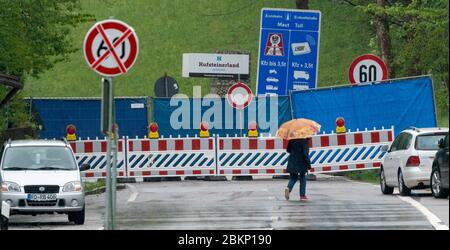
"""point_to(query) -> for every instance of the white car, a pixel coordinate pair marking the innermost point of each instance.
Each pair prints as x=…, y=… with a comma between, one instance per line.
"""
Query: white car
x=408, y=161
x=42, y=177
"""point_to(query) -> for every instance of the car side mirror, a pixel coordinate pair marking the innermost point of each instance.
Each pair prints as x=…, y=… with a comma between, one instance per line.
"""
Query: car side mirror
x=85, y=167
x=385, y=148
x=441, y=143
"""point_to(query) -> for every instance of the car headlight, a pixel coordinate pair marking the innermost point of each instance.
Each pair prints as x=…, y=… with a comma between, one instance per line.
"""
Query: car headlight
x=10, y=187
x=74, y=186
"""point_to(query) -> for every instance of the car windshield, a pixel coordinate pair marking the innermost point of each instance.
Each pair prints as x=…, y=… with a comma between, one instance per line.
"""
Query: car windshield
x=429, y=142
x=38, y=158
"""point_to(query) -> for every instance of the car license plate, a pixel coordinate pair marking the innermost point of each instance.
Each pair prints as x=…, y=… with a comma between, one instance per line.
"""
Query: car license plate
x=41, y=197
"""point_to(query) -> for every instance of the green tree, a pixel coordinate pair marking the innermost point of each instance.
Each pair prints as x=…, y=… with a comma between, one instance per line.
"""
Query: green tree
x=34, y=36
x=418, y=32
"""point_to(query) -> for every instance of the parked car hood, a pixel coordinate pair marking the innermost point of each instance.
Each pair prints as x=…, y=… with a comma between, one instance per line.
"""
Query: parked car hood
x=48, y=177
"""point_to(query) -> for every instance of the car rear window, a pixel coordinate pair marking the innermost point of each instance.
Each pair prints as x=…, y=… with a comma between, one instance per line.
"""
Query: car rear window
x=429, y=141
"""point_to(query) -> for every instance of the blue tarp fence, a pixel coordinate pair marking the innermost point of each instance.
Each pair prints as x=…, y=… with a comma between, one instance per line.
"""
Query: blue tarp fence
x=56, y=114
x=175, y=117
x=400, y=103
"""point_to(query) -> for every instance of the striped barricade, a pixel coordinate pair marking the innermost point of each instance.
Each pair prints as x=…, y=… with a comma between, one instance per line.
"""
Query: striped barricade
x=171, y=157
x=251, y=156
x=94, y=153
x=328, y=153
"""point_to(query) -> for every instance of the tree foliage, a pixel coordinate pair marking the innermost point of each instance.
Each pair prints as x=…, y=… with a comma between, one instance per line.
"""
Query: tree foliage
x=34, y=36
x=419, y=33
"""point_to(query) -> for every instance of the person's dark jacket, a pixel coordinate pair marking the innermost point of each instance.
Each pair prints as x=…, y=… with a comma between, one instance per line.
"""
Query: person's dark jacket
x=299, y=161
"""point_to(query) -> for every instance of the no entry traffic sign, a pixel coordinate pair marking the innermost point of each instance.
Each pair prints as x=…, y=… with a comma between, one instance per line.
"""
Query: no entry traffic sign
x=367, y=68
x=239, y=96
x=111, y=48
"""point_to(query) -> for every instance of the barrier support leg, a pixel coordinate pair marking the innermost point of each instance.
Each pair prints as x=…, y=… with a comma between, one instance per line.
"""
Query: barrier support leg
x=284, y=177
x=216, y=178
x=192, y=178
x=311, y=177
x=242, y=178
x=152, y=179
x=126, y=180
x=175, y=178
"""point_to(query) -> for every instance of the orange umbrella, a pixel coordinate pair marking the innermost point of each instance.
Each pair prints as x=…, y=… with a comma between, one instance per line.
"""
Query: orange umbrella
x=298, y=129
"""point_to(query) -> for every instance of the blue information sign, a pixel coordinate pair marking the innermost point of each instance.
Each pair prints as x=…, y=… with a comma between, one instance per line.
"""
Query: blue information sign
x=288, y=50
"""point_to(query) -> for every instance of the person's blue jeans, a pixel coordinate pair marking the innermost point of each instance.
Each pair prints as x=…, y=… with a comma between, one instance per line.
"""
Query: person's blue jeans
x=293, y=179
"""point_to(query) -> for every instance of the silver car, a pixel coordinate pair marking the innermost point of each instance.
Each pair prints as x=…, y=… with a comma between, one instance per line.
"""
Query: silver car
x=42, y=177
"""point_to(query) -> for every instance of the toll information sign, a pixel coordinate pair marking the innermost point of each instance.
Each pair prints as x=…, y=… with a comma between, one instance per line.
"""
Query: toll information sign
x=288, y=51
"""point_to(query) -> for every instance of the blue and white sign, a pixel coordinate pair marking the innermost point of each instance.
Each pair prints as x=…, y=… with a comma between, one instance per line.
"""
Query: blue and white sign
x=288, y=51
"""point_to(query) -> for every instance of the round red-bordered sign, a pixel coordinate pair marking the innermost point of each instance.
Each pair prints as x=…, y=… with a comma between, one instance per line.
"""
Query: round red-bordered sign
x=239, y=96
x=111, y=48
x=367, y=68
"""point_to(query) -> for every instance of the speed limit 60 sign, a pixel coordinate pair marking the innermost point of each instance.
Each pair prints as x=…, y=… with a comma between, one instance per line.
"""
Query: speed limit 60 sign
x=367, y=68
x=111, y=47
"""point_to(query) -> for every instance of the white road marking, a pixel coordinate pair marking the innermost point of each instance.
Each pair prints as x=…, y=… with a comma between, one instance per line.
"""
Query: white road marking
x=134, y=194
x=433, y=219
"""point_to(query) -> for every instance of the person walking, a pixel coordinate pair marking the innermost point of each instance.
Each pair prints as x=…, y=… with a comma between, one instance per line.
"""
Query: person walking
x=298, y=165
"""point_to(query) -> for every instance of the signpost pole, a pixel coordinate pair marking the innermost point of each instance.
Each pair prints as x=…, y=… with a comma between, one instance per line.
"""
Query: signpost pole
x=240, y=120
x=114, y=172
x=108, y=197
x=240, y=111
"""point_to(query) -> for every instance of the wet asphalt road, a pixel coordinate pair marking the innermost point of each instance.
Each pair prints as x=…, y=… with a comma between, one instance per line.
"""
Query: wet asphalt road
x=336, y=203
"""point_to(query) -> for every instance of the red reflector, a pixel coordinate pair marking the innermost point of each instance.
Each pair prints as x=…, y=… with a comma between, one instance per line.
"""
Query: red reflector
x=413, y=161
x=154, y=127
x=71, y=129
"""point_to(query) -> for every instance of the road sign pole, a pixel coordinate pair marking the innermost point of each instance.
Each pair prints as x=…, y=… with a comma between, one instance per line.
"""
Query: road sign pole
x=109, y=197
x=114, y=174
x=240, y=120
x=240, y=111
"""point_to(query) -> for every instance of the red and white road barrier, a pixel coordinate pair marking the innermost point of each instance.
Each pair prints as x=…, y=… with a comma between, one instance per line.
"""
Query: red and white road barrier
x=359, y=150
x=171, y=157
x=93, y=152
x=351, y=138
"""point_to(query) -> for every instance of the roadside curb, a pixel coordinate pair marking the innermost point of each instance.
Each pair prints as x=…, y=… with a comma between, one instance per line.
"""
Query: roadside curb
x=103, y=189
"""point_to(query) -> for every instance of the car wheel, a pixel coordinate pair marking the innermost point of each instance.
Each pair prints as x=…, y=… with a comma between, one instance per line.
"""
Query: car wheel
x=77, y=217
x=402, y=188
x=385, y=189
x=436, y=187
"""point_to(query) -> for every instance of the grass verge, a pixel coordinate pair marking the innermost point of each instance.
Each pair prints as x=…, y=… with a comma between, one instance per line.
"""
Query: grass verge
x=370, y=176
x=92, y=186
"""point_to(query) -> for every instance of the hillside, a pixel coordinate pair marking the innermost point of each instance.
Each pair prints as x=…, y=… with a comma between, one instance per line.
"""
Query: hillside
x=167, y=29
